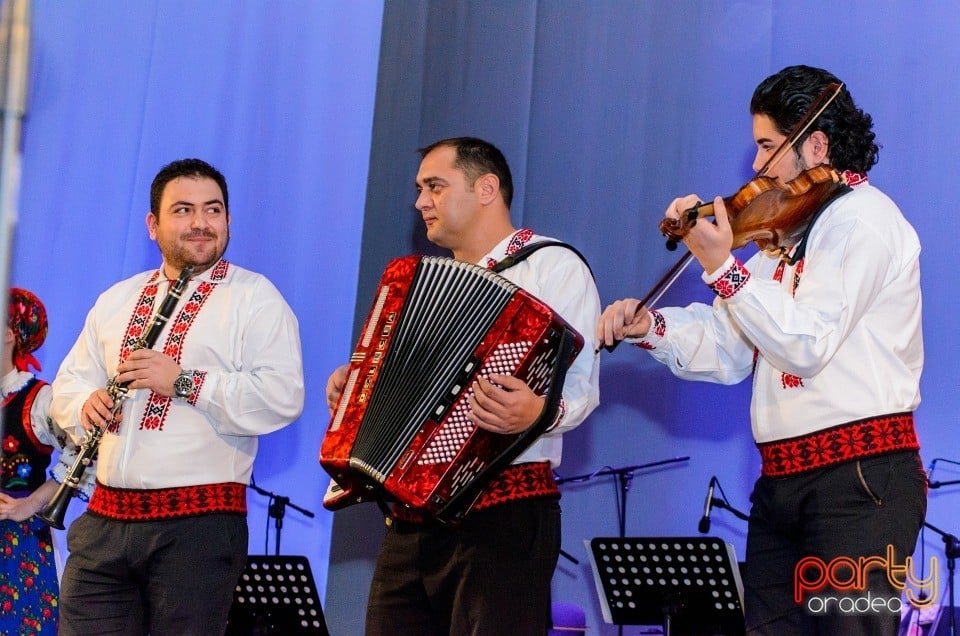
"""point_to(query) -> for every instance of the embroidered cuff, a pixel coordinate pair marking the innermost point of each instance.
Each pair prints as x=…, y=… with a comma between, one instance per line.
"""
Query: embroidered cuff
x=658, y=329
x=561, y=411
x=711, y=277
x=198, y=378
x=728, y=279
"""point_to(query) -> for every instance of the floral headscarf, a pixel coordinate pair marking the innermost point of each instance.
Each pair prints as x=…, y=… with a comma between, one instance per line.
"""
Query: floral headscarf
x=27, y=316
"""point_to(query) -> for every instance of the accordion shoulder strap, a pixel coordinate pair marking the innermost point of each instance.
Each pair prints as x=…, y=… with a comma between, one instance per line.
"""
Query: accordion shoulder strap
x=528, y=249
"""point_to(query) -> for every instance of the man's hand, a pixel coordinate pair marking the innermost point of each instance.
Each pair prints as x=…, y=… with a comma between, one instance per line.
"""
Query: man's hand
x=623, y=319
x=510, y=408
x=710, y=243
x=149, y=369
x=97, y=410
x=335, y=386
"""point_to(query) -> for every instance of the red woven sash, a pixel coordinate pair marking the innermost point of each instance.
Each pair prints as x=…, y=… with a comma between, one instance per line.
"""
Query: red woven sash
x=855, y=440
x=168, y=503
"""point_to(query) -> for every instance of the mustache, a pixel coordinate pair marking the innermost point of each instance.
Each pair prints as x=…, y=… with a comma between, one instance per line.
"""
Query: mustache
x=199, y=234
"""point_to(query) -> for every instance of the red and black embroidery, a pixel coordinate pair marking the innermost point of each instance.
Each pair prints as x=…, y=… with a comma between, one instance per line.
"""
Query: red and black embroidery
x=659, y=327
x=787, y=380
x=168, y=503
x=561, y=412
x=516, y=482
x=659, y=323
x=790, y=381
x=518, y=240
x=199, y=377
x=797, y=271
x=854, y=179
x=142, y=313
x=157, y=405
x=519, y=481
x=731, y=280
x=864, y=438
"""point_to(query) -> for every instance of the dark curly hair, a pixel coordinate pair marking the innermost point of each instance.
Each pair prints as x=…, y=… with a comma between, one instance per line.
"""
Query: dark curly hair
x=785, y=97
x=194, y=168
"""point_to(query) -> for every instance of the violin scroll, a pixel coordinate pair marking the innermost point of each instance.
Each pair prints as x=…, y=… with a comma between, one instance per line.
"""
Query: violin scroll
x=676, y=229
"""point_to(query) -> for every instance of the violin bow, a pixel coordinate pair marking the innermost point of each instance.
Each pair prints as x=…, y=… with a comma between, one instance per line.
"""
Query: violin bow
x=813, y=113
x=826, y=97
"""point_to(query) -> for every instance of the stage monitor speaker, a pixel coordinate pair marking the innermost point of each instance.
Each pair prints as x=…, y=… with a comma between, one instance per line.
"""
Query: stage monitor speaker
x=685, y=585
x=276, y=595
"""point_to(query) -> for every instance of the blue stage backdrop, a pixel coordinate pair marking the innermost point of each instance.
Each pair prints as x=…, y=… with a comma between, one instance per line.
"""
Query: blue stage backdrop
x=279, y=96
x=606, y=109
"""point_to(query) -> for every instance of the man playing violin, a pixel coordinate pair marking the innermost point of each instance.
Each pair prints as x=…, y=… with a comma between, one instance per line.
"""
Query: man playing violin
x=830, y=329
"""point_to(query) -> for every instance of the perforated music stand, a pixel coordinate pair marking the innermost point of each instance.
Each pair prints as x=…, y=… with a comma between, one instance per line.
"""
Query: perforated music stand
x=687, y=585
x=276, y=596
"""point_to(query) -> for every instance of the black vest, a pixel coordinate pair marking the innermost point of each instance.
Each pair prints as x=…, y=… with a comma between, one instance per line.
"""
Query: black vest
x=23, y=458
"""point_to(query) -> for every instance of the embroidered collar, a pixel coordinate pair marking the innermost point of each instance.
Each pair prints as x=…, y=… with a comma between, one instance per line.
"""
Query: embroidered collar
x=508, y=246
x=213, y=274
x=853, y=179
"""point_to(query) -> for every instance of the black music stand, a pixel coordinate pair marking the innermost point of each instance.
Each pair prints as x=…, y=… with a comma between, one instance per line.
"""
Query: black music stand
x=276, y=595
x=687, y=585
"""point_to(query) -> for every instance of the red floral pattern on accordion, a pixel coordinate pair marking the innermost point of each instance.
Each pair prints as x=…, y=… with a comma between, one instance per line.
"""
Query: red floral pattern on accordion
x=846, y=442
x=168, y=503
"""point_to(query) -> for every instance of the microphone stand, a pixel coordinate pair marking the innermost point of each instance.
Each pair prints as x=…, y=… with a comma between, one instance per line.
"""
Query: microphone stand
x=952, y=551
x=276, y=510
x=938, y=484
x=722, y=503
x=624, y=477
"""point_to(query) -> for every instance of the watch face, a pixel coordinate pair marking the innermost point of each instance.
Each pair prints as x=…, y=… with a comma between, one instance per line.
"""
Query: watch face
x=183, y=385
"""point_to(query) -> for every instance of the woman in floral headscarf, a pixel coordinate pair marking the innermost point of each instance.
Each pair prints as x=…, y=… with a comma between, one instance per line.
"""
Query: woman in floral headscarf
x=28, y=437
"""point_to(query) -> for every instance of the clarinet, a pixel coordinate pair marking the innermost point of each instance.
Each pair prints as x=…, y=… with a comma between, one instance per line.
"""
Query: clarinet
x=56, y=509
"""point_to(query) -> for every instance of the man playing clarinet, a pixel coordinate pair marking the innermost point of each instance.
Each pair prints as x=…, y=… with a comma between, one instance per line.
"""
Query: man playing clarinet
x=164, y=539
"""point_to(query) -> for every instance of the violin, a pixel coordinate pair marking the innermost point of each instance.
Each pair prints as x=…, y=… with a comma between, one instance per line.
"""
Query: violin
x=764, y=211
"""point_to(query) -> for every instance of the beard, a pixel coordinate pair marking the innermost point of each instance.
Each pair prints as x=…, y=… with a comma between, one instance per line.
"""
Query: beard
x=179, y=254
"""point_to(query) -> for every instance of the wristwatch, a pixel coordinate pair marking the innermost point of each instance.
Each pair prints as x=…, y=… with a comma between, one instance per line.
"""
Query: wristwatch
x=183, y=385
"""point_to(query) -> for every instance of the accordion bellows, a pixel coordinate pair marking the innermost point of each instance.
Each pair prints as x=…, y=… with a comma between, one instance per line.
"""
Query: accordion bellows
x=400, y=431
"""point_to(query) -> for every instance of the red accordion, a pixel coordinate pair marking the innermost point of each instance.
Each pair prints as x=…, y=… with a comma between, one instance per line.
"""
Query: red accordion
x=400, y=430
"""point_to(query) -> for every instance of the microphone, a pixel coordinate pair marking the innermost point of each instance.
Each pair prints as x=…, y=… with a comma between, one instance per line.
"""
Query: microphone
x=704, y=525
x=933, y=464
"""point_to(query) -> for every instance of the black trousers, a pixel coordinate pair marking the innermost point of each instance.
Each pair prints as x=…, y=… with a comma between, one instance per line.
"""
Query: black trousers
x=855, y=509
x=489, y=576
x=163, y=578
